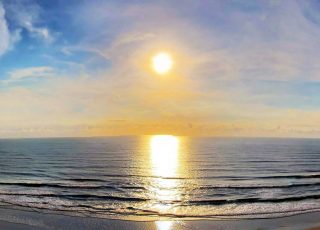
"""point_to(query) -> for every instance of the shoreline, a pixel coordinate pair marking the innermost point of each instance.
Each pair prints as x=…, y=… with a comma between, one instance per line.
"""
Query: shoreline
x=13, y=219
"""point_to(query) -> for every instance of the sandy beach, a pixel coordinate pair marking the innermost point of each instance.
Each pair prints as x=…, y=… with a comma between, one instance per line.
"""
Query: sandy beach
x=20, y=219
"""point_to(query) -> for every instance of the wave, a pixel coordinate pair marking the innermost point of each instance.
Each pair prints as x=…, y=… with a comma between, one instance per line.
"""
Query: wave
x=261, y=177
x=191, y=202
x=291, y=176
x=79, y=197
x=253, y=200
x=309, y=176
x=66, y=186
x=260, y=186
x=39, y=185
x=22, y=174
x=86, y=180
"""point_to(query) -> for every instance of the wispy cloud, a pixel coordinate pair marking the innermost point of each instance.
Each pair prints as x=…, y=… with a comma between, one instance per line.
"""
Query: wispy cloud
x=7, y=38
x=29, y=73
x=41, y=32
x=4, y=32
x=26, y=15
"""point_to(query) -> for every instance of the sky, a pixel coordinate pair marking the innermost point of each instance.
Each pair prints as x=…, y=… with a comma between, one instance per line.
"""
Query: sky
x=82, y=68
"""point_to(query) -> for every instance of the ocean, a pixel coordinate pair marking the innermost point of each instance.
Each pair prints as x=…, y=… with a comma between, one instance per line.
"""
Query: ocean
x=161, y=177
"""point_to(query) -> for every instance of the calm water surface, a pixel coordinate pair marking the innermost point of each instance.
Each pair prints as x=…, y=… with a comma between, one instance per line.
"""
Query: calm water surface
x=161, y=177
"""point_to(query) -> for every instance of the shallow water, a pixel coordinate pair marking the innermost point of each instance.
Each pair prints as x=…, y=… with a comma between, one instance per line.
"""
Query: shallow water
x=159, y=177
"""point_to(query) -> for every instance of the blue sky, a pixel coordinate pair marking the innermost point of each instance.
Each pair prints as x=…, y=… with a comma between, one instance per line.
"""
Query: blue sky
x=77, y=68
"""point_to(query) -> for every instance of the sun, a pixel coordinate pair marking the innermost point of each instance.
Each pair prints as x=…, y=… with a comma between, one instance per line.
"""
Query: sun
x=162, y=63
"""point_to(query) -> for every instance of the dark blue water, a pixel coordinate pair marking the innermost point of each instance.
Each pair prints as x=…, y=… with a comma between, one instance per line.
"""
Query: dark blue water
x=160, y=177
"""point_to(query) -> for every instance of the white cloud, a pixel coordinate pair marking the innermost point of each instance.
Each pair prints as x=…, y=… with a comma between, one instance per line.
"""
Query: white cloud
x=40, y=32
x=30, y=73
x=26, y=15
x=4, y=32
x=25, y=18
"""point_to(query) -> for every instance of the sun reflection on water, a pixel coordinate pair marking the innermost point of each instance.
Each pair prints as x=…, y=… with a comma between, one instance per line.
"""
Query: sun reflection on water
x=164, y=151
x=164, y=155
x=164, y=225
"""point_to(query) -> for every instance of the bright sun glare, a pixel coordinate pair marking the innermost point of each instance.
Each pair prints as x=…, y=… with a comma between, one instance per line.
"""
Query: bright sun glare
x=164, y=150
x=165, y=164
x=162, y=63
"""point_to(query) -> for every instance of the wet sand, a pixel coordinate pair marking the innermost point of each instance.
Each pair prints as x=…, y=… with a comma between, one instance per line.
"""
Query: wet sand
x=29, y=220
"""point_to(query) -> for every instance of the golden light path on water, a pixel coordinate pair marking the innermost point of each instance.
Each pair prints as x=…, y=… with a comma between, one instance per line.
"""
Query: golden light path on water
x=164, y=151
x=164, y=225
x=164, y=155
